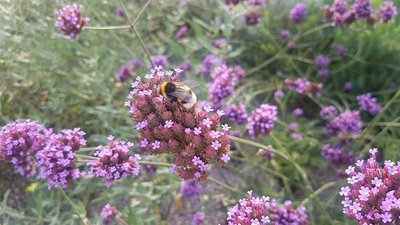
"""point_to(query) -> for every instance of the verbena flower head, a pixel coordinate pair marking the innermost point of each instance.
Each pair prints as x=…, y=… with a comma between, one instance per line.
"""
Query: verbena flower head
x=285, y=213
x=299, y=13
x=124, y=73
x=337, y=155
x=340, y=50
x=369, y=104
x=108, y=213
x=70, y=20
x=348, y=86
x=193, y=137
x=373, y=196
x=387, y=12
x=253, y=210
x=278, y=95
x=322, y=61
x=262, y=120
x=20, y=141
x=190, y=189
x=114, y=162
x=252, y=17
x=182, y=32
x=285, y=34
x=237, y=113
x=339, y=6
x=324, y=73
x=120, y=12
x=160, y=61
x=328, y=112
x=219, y=43
x=298, y=112
x=256, y=2
x=362, y=8
x=225, y=79
x=347, y=123
x=210, y=61
x=198, y=218
x=57, y=161
x=304, y=87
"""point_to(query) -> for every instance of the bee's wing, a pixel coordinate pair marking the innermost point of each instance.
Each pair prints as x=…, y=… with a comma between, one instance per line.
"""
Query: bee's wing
x=182, y=92
x=189, y=83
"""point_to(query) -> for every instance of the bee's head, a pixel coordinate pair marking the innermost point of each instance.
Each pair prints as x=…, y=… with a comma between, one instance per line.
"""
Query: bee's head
x=167, y=87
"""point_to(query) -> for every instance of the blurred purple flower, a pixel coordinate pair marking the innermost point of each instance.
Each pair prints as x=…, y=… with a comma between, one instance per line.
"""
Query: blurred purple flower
x=219, y=43
x=120, y=12
x=262, y=120
x=253, y=210
x=182, y=32
x=292, y=127
x=299, y=13
x=252, y=17
x=339, y=7
x=369, y=104
x=387, y=12
x=108, y=213
x=20, y=141
x=340, y=50
x=297, y=136
x=328, y=112
x=124, y=73
x=210, y=61
x=160, y=61
x=304, y=87
x=348, y=86
x=57, y=161
x=322, y=61
x=190, y=189
x=393, y=85
x=337, y=156
x=198, y=218
x=362, y=8
x=324, y=73
x=237, y=113
x=285, y=34
x=267, y=154
x=70, y=20
x=347, y=123
x=286, y=214
x=256, y=2
x=298, y=112
x=278, y=95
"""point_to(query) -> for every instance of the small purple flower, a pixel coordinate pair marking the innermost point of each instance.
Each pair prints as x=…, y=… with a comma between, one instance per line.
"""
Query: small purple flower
x=387, y=12
x=120, y=12
x=362, y=8
x=285, y=34
x=297, y=136
x=292, y=46
x=256, y=2
x=57, y=161
x=285, y=213
x=190, y=189
x=210, y=61
x=322, y=61
x=198, y=218
x=279, y=95
x=160, y=61
x=324, y=73
x=340, y=50
x=369, y=104
x=70, y=20
x=347, y=123
x=252, y=17
x=108, y=213
x=124, y=73
x=219, y=43
x=114, y=162
x=182, y=32
x=337, y=155
x=299, y=13
x=298, y=112
x=339, y=7
x=262, y=120
x=237, y=113
x=225, y=158
x=328, y=112
x=20, y=141
x=348, y=86
x=168, y=124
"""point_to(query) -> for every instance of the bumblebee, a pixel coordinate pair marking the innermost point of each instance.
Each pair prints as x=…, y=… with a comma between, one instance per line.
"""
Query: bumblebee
x=180, y=91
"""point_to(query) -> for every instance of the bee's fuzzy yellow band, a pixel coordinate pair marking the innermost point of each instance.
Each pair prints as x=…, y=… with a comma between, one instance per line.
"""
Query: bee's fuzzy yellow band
x=163, y=91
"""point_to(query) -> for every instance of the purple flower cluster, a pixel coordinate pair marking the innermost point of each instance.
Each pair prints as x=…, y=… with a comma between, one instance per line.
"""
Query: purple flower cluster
x=108, y=213
x=278, y=95
x=114, y=162
x=237, y=113
x=20, y=141
x=262, y=120
x=328, y=112
x=299, y=13
x=210, y=61
x=160, y=61
x=298, y=112
x=304, y=87
x=342, y=15
x=225, y=79
x=369, y=104
x=252, y=17
x=322, y=61
x=192, y=137
x=198, y=218
x=340, y=50
x=373, y=196
x=256, y=2
x=253, y=210
x=286, y=214
x=219, y=43
x=57, y=160
x=347, y=123
x=337, y=156
x=70, y=20
x=125, y=72
x=190, y=189
x=285, y=34
x=387, y=12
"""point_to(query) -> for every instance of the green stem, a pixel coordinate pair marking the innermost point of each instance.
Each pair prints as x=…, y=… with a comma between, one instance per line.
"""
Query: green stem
x=83, y=220
x=88, y=149
x=318, y=192
x=87, y=157
x=156, y=163
x=23, y=217
x=219, y=183
x=108, y=27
